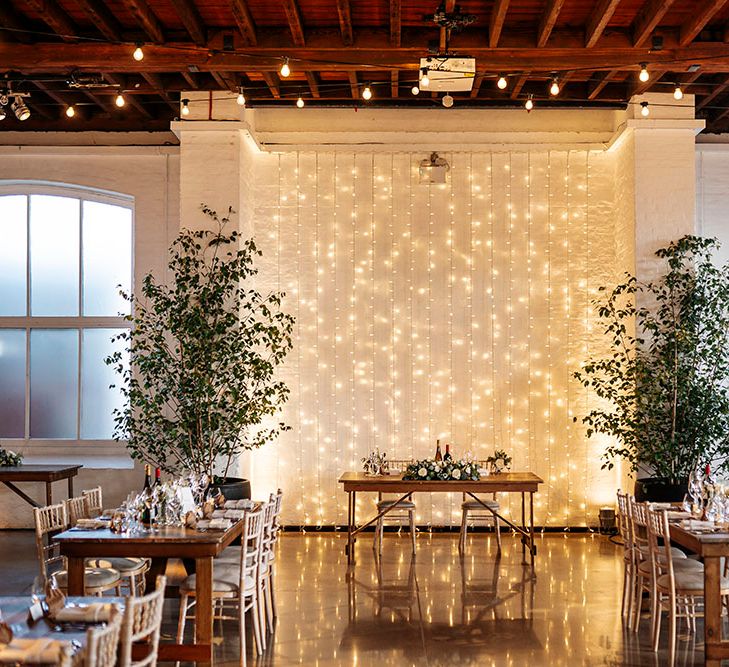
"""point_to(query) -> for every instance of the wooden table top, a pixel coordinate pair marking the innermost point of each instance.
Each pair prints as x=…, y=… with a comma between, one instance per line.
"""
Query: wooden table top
x=702, y=543
x=514, y=482
x=168, y=541
x=33, y=472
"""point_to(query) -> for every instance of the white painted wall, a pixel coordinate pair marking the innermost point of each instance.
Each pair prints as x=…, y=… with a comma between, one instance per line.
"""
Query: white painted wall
x=712, y=194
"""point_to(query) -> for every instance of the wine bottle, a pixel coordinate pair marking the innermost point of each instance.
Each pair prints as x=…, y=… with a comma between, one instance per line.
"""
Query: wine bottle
x=448, y=456
x=157, y=476
x=438, y=455
x=147, y=492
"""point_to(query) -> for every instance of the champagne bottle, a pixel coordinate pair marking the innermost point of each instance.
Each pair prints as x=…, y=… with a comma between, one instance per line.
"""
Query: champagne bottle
x=147, y=492
x=448, y=456
x=438, y=455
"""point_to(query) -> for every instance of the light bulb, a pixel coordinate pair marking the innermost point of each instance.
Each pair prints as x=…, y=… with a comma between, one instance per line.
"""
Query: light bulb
x=300, y=103
x=185, y=107
x=285, y=69
x=554, y=88
x=3, y=113
x=678, y=93
x=367, y=93
x=529, y=104
x=415, y=90
x=120, y=101
x=138, y=53
x=424, y=80
x=501, y=83
x=644, y=109
x=447, y=101
x=241, y=99
x=644, y=75
x=70, y=111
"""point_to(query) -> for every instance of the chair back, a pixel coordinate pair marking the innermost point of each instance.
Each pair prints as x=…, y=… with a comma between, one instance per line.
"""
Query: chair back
x=251, y=544
x=659, y=540
x=49, y=520
x=95, y=501
x=639, y=524
x=141, y=623
x=102, y=642
x=396, y=465
x=77, y=508
x=277, y=513
x=625, y=525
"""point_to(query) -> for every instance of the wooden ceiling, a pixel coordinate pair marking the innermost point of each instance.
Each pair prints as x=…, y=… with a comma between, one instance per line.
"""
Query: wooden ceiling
x=336, y=47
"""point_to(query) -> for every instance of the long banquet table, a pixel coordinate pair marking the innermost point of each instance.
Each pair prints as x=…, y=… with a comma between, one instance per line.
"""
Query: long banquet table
x=711, y=547
x=505, y=482
x=167, y=542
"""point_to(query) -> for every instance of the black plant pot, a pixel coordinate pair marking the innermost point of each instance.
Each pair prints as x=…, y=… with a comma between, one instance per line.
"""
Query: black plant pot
x=233, y=488
x=660, y=490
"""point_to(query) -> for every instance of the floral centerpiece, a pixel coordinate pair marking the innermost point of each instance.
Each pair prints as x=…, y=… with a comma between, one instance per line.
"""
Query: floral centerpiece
x=499, y=462
x=9, y=458
x=430, y=469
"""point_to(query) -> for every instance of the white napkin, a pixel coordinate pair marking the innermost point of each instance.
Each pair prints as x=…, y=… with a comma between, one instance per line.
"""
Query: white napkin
x=239, y=504
x=662, y=506
x=679, y=515
x=694, y=524
x=219, y=524
x=91, y=524
x=33, y=651
x=96, y=612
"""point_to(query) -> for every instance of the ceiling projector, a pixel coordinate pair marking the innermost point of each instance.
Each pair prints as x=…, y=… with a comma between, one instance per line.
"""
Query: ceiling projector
x=448, y=73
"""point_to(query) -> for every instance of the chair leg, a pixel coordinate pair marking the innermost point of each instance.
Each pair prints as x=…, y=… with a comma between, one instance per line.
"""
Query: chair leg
x=262, y=614
x=256, y=614
x=269, y=603
x=656, y=623
x=464, y=529
x=412, y=528
x=181, y=619
x=626, y=586
x=242, y=630
x=672, y=628
x=497, y=530
x=638, y=603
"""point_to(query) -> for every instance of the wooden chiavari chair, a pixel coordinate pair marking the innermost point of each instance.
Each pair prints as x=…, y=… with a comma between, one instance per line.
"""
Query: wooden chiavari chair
x=403, y=510
x=473, y=511
x=141, y=624
x=102, y=642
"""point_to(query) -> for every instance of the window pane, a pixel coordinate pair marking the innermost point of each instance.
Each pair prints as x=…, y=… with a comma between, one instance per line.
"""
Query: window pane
x=53, y=383
x=97, y=399
x=12, y=383
x=13, y=254
x=54, y=255
x=107, y=258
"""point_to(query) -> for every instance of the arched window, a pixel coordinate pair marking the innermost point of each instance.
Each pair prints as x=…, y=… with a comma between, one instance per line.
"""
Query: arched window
x=65, y=252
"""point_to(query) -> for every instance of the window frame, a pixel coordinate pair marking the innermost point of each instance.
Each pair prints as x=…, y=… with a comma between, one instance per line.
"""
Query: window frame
x=53, y=449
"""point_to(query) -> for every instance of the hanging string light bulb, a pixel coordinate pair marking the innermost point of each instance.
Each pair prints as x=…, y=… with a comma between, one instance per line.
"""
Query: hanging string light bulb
x=241, y=99
x=415, y=90
x=367, y=93
x=644, y=74
x=120, y=101
x=529, y=104
x=300, y=103
x=424, y=80
x=554, y=88
x=185, y=107
x=645, y=109
x=678, y=93
x=138, y=54
x=501, y=83
x=70, y=111
x=285, y=69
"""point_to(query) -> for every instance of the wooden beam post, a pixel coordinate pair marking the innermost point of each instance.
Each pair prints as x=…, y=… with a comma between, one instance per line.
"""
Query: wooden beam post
x=313, y=84
x=146, y=19
x=345, y=21
x=648, y=19
x=293, y=16
x=549, y=19
x=496, y=24
x=354, y=85
x=395, y=23
x=598, y=21
x=244, y=19
x=698, y=19
x=52, y=14
x=102, y=18
x=190, y=17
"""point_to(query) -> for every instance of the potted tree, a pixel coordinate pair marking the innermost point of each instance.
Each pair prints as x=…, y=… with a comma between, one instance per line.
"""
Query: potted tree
x=663, y=389
x=201, y=387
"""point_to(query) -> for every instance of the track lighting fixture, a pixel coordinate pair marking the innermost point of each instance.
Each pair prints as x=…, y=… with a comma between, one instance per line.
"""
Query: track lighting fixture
x=20, y=109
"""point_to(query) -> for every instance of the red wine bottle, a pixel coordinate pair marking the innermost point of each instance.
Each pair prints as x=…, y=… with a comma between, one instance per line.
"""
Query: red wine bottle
x=147, y=491
x=448, y=456
x=157, y=476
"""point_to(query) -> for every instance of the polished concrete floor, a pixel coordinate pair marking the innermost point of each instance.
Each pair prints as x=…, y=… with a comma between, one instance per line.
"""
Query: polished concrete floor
x=435, y=610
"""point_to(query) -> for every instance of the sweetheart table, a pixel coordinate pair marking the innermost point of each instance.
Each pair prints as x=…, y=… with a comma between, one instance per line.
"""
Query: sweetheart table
x=504, y=482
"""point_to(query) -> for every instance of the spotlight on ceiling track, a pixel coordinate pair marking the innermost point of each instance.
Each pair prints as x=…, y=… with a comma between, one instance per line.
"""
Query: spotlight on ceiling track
x=20, y=109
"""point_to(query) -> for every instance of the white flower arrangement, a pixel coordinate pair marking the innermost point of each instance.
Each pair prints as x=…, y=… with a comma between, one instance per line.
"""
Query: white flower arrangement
x=9, y=459
x=430, y=469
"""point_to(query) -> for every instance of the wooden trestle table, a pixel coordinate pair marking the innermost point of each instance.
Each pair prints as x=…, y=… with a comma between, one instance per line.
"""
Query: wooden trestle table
x=167, y=542
x=505, y=482
x=38, y=473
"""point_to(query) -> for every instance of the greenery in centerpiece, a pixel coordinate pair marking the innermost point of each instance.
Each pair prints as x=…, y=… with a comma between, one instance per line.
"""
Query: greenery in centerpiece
x=204, y=349
x=9, y=458
x=430, y=469
x=664, y=390
x=499, y=461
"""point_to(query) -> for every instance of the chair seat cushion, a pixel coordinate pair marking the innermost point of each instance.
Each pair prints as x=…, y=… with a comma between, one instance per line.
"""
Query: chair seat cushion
x=403, y=504
x=690, y=582
x=94, y=577
x=226, y=579
x=475, y=505
x=675, y=552
x=124, y=566
x=682, y=564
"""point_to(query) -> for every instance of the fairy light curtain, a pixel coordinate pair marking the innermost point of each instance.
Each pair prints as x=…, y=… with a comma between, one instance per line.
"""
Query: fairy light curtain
x=423, y=311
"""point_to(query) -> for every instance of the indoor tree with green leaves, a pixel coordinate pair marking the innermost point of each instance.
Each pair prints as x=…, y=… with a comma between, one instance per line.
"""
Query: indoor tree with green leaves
x=204, y=348
x=664, y=388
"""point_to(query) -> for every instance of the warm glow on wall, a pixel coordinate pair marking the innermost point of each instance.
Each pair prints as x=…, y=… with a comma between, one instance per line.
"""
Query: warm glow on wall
x=456, y=310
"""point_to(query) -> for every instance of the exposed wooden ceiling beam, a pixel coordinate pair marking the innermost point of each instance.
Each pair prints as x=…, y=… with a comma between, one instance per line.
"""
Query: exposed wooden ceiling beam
x=477, y=81
x=12, y=25
x=345, y=21
x=354, y=85
x=449, y=7
x=120, y=82
x=52, y=14
x=598, y=21
x=157, y=84
x=313, y=82
x=395, y=23
x=190, y=17
x=293, y=16
x=226, y=81
x=273, y=83
x=548, y=21
x=104, y=106
x=146, y=18
x=720, y=89
x=102, y=18
x=648, y=18
x=698, y=19
x=244, y=20
x=498, y=15
x=190, y=79
x=603, y=79
x=54, y=95
x=394, y=84
x=519, y=85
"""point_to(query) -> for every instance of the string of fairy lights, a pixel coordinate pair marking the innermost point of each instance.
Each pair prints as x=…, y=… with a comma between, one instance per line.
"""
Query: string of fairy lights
x=14, y=100
x=453, y=311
